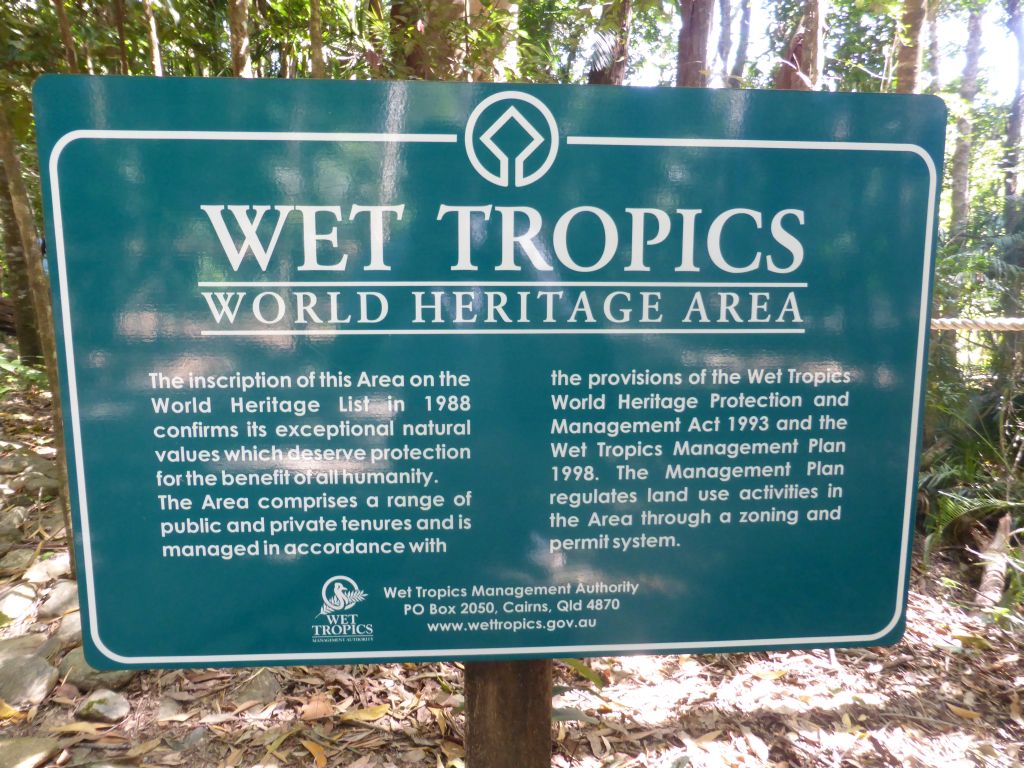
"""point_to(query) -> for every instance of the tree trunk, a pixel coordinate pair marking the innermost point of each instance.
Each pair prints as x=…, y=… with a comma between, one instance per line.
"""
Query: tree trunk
x=993, y=578
x=908, y=62
x=934, y=83
x=238, y=31
x=39, y=289
x=154, y=39
x=1011, y=345
x=960, y=174
x=284, y=58
x=70, y=54
x=316, y=41
x=1012, y=209
x=805, y=55
x=692, y=56
x=422, y=30
x=813, y=61
x=609, y=67
x=30, y=347
x=122, y=48
x=735, y=79
x=508, y=64
x=724, y=36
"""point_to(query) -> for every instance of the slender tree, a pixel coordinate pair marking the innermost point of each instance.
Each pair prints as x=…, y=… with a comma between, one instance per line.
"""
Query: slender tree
x=1011, y=345
x=813, y=60
x=692, y=55
x=1011, y=156
x=608, y=66
x=238, y=31
x=26, y=228
x=507, y=63
x=735, y=78
x=804, y=61
x=426, y=43
x=30, y=346
x=154, y=39
x=122, y=46
x=908, y=56
x=934, y=81
x=38, y=287
x=960, y=174
x=724, y=35
x=316, y=41
x=70, y=53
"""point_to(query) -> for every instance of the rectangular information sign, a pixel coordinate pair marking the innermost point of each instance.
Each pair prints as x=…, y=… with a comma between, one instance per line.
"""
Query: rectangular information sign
x=377, y=371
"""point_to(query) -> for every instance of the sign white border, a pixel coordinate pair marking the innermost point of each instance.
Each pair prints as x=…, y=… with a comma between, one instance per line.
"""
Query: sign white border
x=458, y=653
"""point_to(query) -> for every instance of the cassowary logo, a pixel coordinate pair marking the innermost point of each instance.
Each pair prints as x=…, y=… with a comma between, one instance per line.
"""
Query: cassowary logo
x=340, y=593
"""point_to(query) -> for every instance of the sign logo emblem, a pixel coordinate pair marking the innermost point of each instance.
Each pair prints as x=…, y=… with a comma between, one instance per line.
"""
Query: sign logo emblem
x=340, y=593
x=337, y=622
x=503, y=113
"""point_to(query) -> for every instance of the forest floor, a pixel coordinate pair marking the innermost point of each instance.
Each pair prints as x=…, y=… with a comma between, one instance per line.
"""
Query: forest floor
x=946, y=696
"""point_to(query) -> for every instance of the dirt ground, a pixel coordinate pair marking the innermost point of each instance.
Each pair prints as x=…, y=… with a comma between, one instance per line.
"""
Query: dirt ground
x=946, y=696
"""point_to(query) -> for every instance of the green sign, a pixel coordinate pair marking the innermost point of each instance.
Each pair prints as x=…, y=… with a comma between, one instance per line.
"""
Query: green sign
x=376, y=371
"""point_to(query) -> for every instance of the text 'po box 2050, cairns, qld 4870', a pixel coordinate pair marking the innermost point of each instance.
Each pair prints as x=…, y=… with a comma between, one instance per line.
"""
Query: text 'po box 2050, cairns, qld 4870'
x=377, y=371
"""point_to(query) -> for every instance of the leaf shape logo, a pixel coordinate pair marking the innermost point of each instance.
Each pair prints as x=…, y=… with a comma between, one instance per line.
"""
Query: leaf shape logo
x=341, y=593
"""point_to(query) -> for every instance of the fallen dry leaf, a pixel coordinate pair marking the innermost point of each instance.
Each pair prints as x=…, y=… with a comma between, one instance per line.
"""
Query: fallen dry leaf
x=218, y=717
x=319, y=706
x=366, y=714
x=967, y=714
x=757, y=746
x=81, y=728
x=7, y=712
x=318, y=753
x=452, y=750
x=178, y=717
x=143, y=748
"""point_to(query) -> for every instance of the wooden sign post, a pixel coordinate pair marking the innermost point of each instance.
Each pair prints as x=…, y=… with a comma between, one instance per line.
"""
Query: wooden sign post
x=508, y=714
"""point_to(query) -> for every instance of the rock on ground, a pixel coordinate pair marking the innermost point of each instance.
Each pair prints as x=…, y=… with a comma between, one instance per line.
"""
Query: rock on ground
x=62, y=598
x=25, y=681
x=13, y=464
x=69, y=633
x=77, y=671
x=26, y=753
x=10, y=527
x=103, y=706
x=169, y=708
x=17, y=559
x=17, y=601
x=262, y=687
x=23, y=645
x=47, y=569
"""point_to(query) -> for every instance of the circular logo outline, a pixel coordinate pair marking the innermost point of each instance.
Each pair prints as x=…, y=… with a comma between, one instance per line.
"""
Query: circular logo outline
x=353, y=587
x=520, y=179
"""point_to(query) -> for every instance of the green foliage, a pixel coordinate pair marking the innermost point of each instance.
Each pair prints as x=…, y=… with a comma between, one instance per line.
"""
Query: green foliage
x=653, y=41
x=572, y=714
x=585, y=671
x=16, y=376
x=863, y=36
x=557, y=31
